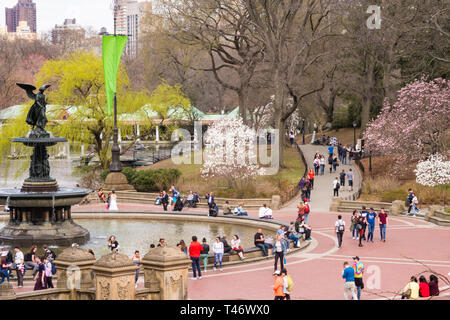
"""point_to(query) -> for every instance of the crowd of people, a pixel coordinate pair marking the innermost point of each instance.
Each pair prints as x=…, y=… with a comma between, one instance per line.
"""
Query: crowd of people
x=42, y=266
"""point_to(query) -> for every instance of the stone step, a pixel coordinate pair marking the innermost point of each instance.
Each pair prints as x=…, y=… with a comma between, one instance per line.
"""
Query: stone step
x=439, y=221
x=442, y=214
x=368, y=204
x=350, y=209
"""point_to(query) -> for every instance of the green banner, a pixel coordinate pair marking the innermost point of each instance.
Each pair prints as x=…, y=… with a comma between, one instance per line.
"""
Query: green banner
x=112, y=52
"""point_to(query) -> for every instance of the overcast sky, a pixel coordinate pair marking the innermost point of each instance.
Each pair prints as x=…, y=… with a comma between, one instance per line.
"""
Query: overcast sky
x=94, y=13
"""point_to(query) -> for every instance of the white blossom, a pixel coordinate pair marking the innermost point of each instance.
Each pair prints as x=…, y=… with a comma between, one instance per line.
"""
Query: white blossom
x=230, y=151
x=433, y=172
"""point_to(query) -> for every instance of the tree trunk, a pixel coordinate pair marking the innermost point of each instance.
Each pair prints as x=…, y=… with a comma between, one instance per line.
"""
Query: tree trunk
x=368, y=93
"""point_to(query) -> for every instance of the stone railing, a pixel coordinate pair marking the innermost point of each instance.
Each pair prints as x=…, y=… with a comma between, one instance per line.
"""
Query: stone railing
x=81, y=277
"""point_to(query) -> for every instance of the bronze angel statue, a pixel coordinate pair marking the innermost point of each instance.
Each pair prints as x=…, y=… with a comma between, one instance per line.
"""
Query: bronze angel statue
x=36, y=117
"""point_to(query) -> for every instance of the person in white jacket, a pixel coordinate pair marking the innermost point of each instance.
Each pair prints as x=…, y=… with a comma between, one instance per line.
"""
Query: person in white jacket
x=218, y=253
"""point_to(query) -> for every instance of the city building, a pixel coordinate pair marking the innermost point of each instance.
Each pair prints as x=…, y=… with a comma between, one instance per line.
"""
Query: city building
x=128, y=17
x=22, y=31
x=24, y=10
x=69, y=32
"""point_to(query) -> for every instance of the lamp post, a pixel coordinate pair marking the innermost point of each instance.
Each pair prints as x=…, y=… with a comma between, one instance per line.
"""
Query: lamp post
x=354, y=134
x=303, y=130
x=116, y=166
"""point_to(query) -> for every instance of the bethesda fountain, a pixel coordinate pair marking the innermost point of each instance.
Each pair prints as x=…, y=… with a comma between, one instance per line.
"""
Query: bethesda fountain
x=40, y=212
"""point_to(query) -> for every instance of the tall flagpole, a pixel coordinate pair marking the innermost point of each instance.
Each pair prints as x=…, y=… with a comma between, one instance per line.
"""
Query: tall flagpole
x=116, y=165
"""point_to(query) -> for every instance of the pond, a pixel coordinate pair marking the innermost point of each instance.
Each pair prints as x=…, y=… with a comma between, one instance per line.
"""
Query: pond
x=139, y=234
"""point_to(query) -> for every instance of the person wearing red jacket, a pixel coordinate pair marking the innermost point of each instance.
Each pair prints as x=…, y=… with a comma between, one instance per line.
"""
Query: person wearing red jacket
x=195, y=248
x=311, y=178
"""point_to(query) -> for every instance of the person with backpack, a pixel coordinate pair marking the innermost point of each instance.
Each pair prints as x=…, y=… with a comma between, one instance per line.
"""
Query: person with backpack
x=363, y=214
x=409, y=200
x=335, y=163
x=49, y=253
x=204, y=253
x=288, y=284
x=339, y=228
x=48, y=273
x=414, y=203
x=40, y=283
x=336, y=186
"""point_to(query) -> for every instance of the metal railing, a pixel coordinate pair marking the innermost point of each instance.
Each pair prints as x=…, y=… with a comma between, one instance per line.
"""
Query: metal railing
x=293, y=191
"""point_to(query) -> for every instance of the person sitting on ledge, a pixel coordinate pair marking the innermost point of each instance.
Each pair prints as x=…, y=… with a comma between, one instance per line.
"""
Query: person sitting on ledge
x=195, y=200
x=189, y=202
x=302, y=228
x=227, y=208
x=101, y=195
x=260, y=242
x=226, y=246
x=159, y=198
x=239, y=210
x=268, y=213
x=213, y=210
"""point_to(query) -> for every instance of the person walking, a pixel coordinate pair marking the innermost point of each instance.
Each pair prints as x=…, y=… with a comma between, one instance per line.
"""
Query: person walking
x=316, y=164
x=363, y=214
x=311, y=175
x=349, y=286
x=359, y=271
x=335, y=163
x=291, y=138
x=195, y=249
x=278, y=286
x=330, y=162
x=382, y=218
x=204, y=254
x=414, y=203
x=360, y=227
x=280, y=250
x=336, y=187
x=409, y=200
x=218, y=253
x=354, y=222
x=339, y=228
x=344, y=155
x=40, y=275
x=137, y=260
x=287, y=284
x=371, y=224
x=306, y=210
x=48, y=273
x=19, y=265
x=350, y=179
x=308, y=187
x=322, y=165
x=342, y=176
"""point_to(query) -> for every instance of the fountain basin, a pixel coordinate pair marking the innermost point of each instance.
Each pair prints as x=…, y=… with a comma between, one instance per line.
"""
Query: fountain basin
x=47, y=142
x=38, y=218
x=61, y=198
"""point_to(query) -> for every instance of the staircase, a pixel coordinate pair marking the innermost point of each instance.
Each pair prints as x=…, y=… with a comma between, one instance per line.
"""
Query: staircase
x=440, y=218
x=350, y=206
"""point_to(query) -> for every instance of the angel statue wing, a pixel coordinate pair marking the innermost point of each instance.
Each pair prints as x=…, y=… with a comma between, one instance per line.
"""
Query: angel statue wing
x=44, y=87
x=29, y=89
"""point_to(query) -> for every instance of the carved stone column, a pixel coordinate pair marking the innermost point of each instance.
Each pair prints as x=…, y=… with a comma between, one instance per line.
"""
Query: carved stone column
x=7, y=291
x=166, y=268
x=74, y=268
x=114, y=277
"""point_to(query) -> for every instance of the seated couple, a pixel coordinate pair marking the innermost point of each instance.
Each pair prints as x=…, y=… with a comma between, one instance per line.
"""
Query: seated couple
x=265, y=212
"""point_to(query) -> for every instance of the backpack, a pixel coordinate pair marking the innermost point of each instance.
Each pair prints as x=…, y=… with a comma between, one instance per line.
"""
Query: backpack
x=307, y=208
x=338, y=185
x=341, y=227
x=290, y=285
x=27, y=257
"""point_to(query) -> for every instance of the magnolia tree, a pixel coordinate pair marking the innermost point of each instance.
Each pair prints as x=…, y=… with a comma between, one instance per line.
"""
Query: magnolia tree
x=416, y=125
x=230, y=152
x=433, y=172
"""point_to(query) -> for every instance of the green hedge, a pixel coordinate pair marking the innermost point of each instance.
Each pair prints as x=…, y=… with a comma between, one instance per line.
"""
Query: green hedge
x=149, y=180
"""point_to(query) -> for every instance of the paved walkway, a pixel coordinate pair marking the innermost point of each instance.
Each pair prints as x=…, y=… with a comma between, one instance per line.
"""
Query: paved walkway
x=322, y=195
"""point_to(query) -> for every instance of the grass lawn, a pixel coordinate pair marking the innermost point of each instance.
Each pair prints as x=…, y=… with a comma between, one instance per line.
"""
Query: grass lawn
x=263, y=186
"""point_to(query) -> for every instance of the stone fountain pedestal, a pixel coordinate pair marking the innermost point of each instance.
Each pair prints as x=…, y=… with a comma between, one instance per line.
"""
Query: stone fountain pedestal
x=40, y=212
